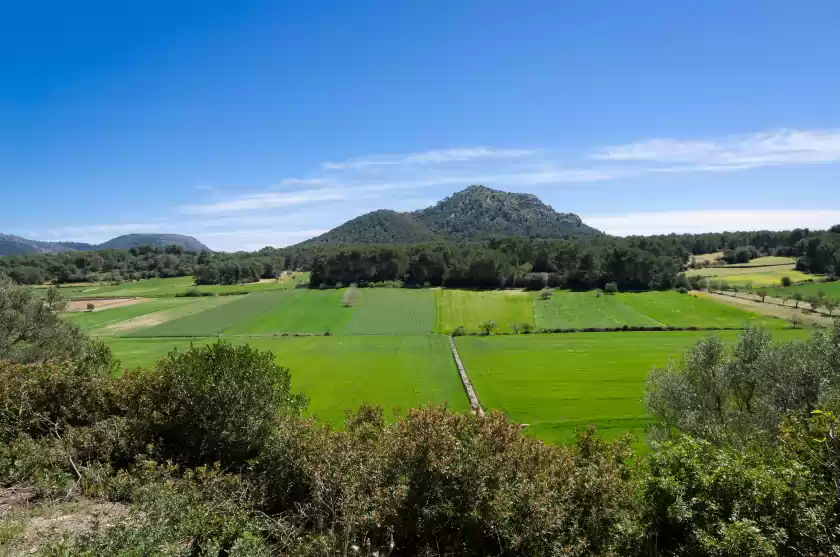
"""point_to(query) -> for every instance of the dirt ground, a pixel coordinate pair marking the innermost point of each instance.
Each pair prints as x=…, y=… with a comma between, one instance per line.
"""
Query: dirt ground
x=770, y=307
x=104, y=303
x=29, y=524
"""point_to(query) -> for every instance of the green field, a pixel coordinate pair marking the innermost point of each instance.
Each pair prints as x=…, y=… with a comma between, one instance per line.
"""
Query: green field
x=393, y=311
x=299, y=311
x=339, y=373
x=556, y=383
x=575, y=310
x=680, y=310
x=470, y=308
x=831, y=289
x=166, y=287
x=95, y=320
x=216, y=319
x=382, y=349
x=758, y=276
x=767, y=260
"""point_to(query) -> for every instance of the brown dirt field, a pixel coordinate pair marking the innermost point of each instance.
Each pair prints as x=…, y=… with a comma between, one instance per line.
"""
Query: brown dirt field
x=769, y=308
x=104, y=303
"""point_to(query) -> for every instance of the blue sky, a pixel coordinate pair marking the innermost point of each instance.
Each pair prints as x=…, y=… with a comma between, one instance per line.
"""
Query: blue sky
x=264, y=123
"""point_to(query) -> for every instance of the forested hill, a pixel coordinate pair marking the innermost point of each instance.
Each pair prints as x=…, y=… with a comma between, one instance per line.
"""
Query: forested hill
x=476, y=213
x=15, y=245
x=158, y=240
x=378, y=227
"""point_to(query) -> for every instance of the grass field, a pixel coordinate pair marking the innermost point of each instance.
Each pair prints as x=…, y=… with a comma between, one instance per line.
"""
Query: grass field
x=556, y=383
x=166, y=287
x=338, y=373
x=393, y=311
x=767, y=260
x=299, y=311
x=758, y=276
x=92, y=321
x=215, y=319
x=470, y=308
x=571, y=310
x=831, y=289
x=680, y=310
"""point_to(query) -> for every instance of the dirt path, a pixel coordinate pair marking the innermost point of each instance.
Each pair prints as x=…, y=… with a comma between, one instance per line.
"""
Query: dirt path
x=104, y=303
x=770, y=307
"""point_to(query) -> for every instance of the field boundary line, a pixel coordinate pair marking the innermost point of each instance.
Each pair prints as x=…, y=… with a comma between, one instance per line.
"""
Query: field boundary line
x=475, y=405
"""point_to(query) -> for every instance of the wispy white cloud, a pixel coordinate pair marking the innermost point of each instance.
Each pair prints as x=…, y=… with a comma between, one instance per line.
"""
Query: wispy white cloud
x=665, y=222
x=265, y=200
x=460, y=154
x=774, y=148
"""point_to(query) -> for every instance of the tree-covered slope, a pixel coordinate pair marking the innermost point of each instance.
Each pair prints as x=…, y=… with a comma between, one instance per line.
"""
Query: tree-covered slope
x=378, y=227
x=158, y=240
x=480, y=212
x=475, y=213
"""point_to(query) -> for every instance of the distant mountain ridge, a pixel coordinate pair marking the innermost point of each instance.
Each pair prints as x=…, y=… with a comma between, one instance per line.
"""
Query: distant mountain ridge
x=12, y=245
x=476, y=213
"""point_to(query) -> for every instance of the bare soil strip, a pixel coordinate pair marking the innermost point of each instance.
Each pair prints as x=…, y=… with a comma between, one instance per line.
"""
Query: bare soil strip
x=104, y=303
x=141, y=322
x=769, y=308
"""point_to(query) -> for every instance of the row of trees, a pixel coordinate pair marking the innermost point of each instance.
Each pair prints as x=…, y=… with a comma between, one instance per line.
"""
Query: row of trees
x=634, y=263
x=505, y=262
x=818, y=251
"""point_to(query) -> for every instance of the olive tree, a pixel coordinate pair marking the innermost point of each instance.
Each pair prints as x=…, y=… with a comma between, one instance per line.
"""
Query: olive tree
x=30, y=328
x=744, y=391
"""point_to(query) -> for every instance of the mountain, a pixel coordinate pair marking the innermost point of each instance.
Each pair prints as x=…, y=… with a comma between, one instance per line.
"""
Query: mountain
x=11, y=245
x=158, y=240
x=475, y=213
x=378, y=227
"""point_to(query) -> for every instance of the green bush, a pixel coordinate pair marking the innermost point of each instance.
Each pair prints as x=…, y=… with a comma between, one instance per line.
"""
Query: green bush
x=218, y=402
x=704, y=500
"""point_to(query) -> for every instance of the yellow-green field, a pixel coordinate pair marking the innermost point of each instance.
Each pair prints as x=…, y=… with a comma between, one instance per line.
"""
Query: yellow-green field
x=758, y=276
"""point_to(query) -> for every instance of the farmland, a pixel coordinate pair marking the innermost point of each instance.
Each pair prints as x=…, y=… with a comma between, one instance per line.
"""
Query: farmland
x=570, y=310
x=167, y=287
x=556, y=383
x=830, y=289
x=389, y=347
x=763, y=271
x=469, y=308
x=342, y=373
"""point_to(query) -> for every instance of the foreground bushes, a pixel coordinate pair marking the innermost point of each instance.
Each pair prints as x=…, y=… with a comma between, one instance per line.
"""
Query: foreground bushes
x=210, y=454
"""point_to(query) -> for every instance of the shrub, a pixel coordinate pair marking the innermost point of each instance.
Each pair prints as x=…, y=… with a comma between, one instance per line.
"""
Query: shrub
x=459, y=331
x=194, y=293
x=682, y=290
x=218, y=402
x=611, y=288
x=90, y=306
x=694, y=489
x=487, y=327
x=527, y=328
x=786, y=281
x=546, y=294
